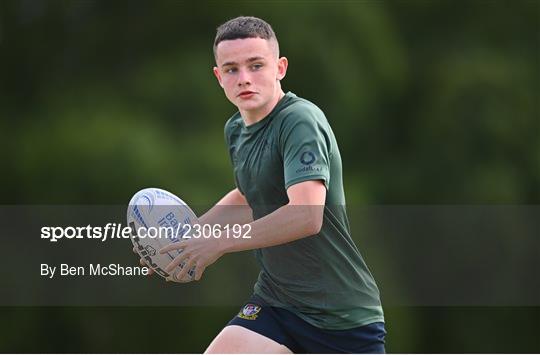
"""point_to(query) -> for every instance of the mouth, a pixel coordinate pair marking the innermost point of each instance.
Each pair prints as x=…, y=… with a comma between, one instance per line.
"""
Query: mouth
x=246, y=94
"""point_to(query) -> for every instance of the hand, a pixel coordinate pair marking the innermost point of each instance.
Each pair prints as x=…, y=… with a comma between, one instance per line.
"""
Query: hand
x=143, y=263
x=198, y=252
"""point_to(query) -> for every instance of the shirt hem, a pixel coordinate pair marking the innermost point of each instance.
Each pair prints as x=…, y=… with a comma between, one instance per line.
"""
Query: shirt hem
x=361, y=323
x=307, y=178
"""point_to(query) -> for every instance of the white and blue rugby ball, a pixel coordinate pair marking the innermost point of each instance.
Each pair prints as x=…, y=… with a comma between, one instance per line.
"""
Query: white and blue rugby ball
x=157, y=218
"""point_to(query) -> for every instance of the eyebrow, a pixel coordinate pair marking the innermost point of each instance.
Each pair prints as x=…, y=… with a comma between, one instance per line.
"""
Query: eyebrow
x=249, y=60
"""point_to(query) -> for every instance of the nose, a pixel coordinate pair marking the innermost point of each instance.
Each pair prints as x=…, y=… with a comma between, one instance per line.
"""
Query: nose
x=244, y=78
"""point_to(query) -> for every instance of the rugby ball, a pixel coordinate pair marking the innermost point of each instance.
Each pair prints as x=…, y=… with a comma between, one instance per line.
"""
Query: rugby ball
x=158, y=218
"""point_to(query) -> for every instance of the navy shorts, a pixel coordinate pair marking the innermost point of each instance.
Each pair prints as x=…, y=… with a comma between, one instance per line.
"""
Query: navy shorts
x=299, y=336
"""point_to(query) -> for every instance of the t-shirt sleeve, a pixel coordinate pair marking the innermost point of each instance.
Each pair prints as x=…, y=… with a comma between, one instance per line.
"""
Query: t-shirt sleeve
x=305, y=146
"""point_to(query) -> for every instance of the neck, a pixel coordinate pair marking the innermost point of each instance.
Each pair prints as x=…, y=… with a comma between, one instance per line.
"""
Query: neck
x=252, y=117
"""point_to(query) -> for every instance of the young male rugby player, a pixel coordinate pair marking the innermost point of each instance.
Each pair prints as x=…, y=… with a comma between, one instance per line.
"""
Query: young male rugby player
x=314, y=292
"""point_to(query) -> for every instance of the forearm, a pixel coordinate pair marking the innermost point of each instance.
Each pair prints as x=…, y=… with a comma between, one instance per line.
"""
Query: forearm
x=284, y=225
x=302, y=217
x=231, y=209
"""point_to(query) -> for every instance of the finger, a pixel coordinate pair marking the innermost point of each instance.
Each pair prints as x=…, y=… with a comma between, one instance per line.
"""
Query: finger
x=176, y=261
x=175, y=278
x=173, y=246
x=199, y=269
x=182, y=274
x=144, y=264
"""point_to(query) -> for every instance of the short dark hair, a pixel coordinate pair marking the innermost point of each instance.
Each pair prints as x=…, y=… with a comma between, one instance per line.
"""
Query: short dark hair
x=244, y=27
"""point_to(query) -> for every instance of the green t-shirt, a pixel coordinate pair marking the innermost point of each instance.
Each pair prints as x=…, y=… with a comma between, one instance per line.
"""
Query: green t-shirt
x=322, y=278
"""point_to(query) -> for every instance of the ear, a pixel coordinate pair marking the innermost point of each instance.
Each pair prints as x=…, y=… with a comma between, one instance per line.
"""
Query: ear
x=283, y=63
x=218, y=76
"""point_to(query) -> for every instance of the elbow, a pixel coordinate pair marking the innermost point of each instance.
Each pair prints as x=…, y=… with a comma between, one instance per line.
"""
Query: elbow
x=304, y=220
x=314, y=220
x=317, y=226
x=313, y=229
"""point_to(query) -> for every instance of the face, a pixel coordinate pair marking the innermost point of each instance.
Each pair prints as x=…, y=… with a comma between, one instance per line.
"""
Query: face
x=249, y=71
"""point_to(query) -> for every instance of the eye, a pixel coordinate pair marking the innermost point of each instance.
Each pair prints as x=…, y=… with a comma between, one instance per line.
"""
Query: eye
x=230, y=70
x=256, y=66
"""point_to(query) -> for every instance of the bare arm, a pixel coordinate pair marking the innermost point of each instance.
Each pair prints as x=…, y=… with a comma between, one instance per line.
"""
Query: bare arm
x=301, y=217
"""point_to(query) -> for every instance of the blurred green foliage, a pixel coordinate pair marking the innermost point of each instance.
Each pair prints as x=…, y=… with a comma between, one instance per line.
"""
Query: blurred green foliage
x=432, y=102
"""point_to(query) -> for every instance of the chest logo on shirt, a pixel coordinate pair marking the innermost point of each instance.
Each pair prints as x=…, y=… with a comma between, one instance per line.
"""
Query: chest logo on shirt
x=250, y=311
x=307, y=158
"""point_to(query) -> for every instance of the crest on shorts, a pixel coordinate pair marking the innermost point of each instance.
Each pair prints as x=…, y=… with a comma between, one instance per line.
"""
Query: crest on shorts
x=250, y=311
